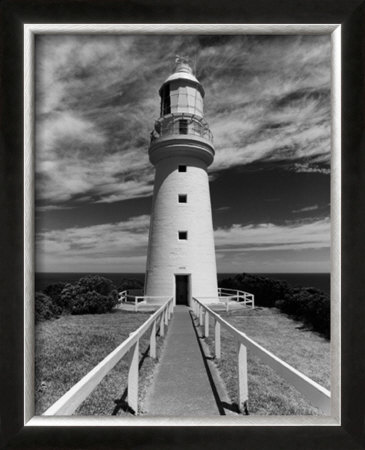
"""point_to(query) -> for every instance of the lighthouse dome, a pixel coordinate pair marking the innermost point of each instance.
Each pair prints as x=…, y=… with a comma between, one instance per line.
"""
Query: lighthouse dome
x=183, y=71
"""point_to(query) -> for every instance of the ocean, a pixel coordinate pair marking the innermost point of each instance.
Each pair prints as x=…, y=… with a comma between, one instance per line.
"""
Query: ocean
x=317, y=280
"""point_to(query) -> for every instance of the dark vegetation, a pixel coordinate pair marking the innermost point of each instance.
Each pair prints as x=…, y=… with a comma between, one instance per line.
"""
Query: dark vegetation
x=92, y=294
x=133, y=286
x=45, y=308
x=306, y=304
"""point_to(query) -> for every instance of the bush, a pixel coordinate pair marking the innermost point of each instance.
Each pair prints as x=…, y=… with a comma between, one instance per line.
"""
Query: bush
x=68, y=293
x=309, y=305
x=45, y=308
x=92, y=294
x=54, y=292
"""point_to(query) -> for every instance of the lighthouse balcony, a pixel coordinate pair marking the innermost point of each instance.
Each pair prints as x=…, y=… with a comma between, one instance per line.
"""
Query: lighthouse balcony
x=181, y=124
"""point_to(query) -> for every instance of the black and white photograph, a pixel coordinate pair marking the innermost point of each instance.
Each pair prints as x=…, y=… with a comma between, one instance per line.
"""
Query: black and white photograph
x=182, y=188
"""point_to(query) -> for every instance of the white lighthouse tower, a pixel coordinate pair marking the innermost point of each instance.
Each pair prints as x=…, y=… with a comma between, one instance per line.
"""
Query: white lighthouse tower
x=181, y=256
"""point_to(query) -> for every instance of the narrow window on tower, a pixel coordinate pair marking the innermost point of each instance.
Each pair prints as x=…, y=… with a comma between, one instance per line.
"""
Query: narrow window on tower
x=183, y=198
x=183, y=126
x=182, y=168
x=183, y=235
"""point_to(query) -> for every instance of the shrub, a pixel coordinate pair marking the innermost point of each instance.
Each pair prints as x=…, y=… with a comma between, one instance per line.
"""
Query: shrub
x=68, y=293
x=90, y=303
x=309, y=305
x=54, y=292
x=92, y=294
x=45, y=308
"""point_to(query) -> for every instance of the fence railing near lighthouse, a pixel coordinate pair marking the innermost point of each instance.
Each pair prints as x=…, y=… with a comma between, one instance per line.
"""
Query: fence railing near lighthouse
x=315, y=394
x=73, y=398
x=136, y=300
x=246, y=298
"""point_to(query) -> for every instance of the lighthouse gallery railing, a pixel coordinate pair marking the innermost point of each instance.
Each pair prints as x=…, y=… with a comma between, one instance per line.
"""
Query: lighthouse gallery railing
x=314, y=393
x=73, y=398
x=183, y=124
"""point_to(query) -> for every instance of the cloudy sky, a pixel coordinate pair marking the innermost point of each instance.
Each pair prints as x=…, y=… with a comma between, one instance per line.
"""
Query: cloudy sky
x=268, y=105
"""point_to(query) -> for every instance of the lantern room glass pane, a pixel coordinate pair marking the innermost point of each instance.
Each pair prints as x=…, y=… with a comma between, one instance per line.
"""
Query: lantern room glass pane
x=190, y=91
x=183, y=100
x=174, y=101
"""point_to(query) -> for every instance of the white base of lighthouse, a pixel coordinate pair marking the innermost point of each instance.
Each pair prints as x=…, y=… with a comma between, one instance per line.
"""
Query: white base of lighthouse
x=181, y=254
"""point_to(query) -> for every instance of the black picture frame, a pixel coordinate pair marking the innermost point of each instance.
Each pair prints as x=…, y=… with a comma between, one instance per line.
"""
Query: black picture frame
x=351, y=15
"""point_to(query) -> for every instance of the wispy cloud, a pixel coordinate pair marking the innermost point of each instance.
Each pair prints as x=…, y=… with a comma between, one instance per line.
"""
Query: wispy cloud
x=306, y=209
x=97, y=99
x=98, y=247
x=311, y=168
x=270, y=237
x=44, y=208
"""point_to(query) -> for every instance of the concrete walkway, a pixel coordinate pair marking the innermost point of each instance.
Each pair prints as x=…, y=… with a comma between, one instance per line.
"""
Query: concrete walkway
x=181, y=385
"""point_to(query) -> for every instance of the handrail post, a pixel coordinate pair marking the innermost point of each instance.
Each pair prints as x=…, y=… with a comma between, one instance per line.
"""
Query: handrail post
x=166, y=316
x=200, y=315
x=162, y=326
x=153, y=341
x=133, y=379
x=242, y=379
x=135, y=304
x=217, y=340
x=206, y=324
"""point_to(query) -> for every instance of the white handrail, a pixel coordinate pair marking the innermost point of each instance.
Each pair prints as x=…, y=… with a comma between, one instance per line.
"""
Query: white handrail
x=247, y=297
x=73, y=398
x=313, y=392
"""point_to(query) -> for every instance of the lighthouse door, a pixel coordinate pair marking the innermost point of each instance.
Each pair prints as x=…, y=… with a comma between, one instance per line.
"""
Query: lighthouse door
x=182, y=283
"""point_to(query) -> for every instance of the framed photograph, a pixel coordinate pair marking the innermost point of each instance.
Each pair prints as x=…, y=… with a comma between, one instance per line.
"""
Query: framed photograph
x=184, y=267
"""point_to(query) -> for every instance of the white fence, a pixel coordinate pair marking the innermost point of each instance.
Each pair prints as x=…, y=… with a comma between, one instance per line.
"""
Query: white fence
x=124, y=297
x=315, y=394
x=240, y=296
x=73, y=398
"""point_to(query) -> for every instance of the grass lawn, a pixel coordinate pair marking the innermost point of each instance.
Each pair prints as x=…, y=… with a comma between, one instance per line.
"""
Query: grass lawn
x=69, y=347
x=269, y=394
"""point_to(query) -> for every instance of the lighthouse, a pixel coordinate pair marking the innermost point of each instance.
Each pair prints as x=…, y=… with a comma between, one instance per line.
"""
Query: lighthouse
x=181, y=256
